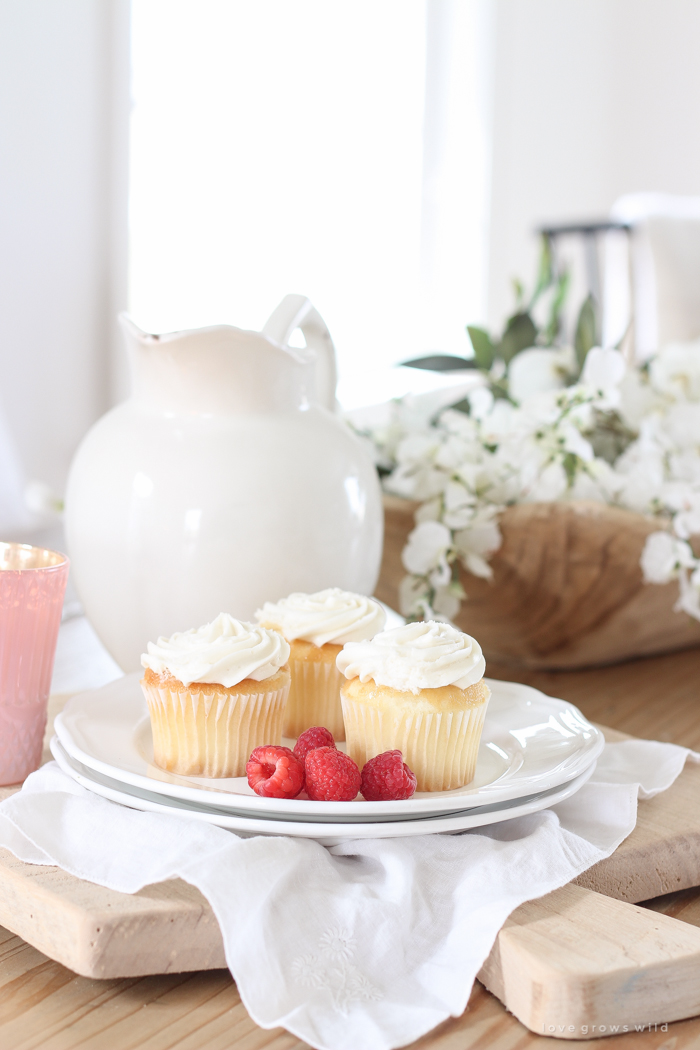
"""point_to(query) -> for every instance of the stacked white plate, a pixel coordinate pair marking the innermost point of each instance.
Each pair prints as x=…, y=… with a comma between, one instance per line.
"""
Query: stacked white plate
x=535, y=751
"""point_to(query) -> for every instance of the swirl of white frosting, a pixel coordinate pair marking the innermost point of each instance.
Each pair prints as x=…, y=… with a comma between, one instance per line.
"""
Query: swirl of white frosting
x=223, y=652
x=425, y=655
x=328, y=616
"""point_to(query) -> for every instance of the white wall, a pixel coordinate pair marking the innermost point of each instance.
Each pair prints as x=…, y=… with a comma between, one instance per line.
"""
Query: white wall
x=330, y=148
x=591, y=99
x=63, y=134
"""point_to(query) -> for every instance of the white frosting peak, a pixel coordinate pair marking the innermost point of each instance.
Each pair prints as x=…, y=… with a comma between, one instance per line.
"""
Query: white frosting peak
x=223, y=652
x=328, y=616
x=425, y=655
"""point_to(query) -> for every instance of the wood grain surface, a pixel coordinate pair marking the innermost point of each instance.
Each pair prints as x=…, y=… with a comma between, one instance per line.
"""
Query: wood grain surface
x=567, y=589
x=43, y=1004
x=575, y=959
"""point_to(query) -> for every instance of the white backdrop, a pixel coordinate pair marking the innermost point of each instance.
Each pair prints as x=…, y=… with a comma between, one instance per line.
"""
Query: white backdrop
x=590, y=99
x=63, y=161
x=333, y=149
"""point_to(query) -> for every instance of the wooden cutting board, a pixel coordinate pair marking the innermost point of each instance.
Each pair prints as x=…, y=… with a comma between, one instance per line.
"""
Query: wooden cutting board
x=581, y=956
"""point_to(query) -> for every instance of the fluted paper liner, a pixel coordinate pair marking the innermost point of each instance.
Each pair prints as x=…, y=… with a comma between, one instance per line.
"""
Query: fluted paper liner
x=211, y=734
x=314, y=698
x=441, y=747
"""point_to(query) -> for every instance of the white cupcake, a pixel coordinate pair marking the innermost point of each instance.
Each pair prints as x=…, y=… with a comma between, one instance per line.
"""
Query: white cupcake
x=418, y=689
x=317, y=626
x=214, y=694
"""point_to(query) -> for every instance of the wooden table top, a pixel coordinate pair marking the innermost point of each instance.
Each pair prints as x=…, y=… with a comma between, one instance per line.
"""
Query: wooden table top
x=44, y=1006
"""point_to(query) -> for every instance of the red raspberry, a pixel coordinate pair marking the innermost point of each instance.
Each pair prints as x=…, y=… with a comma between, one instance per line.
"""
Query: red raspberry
x=312, y=738
x=331, y=776
x=387, y=778
x=275, y=772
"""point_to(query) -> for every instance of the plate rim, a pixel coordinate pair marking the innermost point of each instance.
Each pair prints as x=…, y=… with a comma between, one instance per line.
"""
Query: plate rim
x=347, y=831
x=426, y=804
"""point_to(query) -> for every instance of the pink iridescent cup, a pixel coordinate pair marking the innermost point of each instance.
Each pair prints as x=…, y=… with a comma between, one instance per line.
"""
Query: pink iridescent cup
x=32, y=585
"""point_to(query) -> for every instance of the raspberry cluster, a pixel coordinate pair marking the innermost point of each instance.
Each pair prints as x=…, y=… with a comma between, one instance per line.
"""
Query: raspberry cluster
x=328, y=775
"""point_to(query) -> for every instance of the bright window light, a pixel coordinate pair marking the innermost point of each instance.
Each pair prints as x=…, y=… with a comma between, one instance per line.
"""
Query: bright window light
x=335, y=149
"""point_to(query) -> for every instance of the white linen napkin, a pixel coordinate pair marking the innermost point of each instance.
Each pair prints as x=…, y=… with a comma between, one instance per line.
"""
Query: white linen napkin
x=369, y=944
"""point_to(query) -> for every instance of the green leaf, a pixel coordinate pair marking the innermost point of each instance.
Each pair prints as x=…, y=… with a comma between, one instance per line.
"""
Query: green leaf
x=499, y=389
x=570, y=464
x=461, y=406
x=545, y=275
x=519, y=292
x=609, y=436
x=520, y=333
x=484, y=352
x=586, y=328
x=441, y=363
x=553, y=326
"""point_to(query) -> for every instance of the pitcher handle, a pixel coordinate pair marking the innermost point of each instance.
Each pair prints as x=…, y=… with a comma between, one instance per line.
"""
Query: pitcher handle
x=296, y=311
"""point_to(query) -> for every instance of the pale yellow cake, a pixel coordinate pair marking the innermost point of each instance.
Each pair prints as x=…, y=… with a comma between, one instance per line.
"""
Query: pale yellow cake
x=207, y=730
x=314, y=696
x=437, y=730
x=316, y=626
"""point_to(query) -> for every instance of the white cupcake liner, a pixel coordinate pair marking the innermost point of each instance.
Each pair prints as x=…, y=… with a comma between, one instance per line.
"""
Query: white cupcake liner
x=314, y=698
x=440, y=747
x=211, y=734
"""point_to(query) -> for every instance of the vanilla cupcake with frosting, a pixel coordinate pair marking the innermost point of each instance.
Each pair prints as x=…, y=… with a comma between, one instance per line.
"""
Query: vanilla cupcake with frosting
x=214, y=694
x=419, y=689
x=317, y=626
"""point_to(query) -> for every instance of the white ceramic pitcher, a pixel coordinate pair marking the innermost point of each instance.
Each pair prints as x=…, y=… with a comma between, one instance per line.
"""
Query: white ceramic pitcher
x=226, y=480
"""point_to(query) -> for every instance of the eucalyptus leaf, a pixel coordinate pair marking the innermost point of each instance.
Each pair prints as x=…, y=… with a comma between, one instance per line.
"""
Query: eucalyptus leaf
x=484, y=350
x=441, y=363
x=520, y=333
x=586, y=327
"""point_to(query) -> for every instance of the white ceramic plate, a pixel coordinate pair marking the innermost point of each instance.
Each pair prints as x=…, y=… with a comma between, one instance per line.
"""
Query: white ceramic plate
x=325, y=833
x=530, y=743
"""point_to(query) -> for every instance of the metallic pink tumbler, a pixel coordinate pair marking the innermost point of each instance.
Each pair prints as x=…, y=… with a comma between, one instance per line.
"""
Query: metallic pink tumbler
x=32, y=585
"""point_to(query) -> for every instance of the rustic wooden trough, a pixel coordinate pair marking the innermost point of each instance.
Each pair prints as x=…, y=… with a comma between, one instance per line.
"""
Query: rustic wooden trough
x=567, y=590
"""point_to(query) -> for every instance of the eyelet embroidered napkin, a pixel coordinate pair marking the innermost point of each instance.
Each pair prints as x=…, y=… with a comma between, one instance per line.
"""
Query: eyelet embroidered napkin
x=370, y=944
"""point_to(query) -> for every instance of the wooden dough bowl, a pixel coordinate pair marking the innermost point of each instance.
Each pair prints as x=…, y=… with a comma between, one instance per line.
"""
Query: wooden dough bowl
x=567, y=590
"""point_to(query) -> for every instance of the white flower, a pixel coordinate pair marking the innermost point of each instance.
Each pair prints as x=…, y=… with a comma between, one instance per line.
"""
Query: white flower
x=663, y=556
x=499, y=422
x=414, y=596
x=445, y=604
x=682, y=424
x=459, y=505
x=603, y=369
x=426, y=548
x=637, y=398
x=575, y=442
x=549, y=486
x=687, y=523
x=429, y=511
x=689, y=596
x=41, y=499
x=676, y=370
x=480, y=402
x=473, y=544
x=537, y=370
x=586, y=486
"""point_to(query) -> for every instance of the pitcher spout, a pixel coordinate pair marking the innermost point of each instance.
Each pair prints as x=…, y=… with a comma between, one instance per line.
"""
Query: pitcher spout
x=216, y=369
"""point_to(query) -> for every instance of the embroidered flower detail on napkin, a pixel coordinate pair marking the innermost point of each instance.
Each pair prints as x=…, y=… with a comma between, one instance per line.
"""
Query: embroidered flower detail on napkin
x=333, y=969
